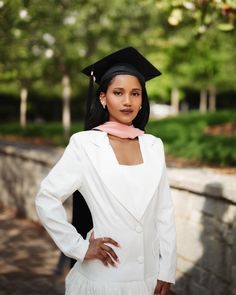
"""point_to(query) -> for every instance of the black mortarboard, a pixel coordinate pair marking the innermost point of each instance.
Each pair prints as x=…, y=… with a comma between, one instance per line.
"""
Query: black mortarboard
x=124, y=60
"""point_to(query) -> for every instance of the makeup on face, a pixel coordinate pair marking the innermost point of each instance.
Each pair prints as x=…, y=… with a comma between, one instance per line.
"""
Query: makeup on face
x=123, y=98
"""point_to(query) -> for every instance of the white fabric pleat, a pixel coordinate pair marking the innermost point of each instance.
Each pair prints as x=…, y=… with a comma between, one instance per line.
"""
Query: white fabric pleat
x=78, y=284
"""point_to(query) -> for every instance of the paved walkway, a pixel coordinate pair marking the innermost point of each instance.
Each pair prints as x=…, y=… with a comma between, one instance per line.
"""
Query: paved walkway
x=27, y=259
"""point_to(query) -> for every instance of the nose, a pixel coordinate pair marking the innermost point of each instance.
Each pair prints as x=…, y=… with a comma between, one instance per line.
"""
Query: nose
x=127, y=100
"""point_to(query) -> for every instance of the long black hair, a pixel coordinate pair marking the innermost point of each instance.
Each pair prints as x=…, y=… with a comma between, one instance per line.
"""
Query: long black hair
x=98, y=115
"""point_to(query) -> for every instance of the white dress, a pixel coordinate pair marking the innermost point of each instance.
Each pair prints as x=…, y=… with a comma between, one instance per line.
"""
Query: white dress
x=130, y=204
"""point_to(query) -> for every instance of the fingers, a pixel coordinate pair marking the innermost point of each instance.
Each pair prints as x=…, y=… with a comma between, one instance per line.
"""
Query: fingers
x=111, y=252
x=99, y=249
x=110, y=241
x=162, y=288
x=106, y=259
x=157, y=289
x=109, y=256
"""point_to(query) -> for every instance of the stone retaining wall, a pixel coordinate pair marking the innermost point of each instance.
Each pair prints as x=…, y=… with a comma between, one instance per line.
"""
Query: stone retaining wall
x=22, y=167
x=205, y=206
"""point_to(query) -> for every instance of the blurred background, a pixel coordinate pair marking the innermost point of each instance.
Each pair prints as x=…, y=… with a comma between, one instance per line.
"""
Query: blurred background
x=44, y=46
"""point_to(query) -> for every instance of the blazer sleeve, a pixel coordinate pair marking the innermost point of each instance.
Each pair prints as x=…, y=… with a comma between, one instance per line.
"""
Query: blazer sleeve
x=167, y=230
x=64, y=178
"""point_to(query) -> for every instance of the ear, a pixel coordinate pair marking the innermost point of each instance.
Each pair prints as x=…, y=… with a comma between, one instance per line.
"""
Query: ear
x=102, y=98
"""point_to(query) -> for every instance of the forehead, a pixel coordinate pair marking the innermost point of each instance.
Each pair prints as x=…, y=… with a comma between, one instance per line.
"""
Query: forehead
x=125, y=80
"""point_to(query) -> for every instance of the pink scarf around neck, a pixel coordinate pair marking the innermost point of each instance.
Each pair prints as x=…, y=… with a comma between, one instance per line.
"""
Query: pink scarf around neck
x=120, y=130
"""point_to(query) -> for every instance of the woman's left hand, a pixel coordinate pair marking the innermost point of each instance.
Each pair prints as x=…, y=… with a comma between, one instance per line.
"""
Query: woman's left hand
x=162, y=288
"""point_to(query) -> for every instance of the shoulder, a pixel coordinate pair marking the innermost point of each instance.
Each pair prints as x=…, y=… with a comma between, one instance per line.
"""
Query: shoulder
x=83, y=137
x=152, y=140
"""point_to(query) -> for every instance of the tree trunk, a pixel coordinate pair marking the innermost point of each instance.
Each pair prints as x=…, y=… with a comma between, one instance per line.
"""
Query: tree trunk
x=203, y=101
x=66, y=95
x=175, y=101
x=212, y=99
x=23, y=106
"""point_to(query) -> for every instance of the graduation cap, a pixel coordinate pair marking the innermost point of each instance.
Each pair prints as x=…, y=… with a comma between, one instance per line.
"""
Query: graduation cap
x=124, y=60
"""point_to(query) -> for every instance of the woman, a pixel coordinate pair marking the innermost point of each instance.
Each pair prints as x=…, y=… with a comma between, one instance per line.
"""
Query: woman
x=121, y=173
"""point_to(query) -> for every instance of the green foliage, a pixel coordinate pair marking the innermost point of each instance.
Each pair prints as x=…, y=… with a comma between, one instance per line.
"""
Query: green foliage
x=40, y=43
x=51, y=132
x=184, y=137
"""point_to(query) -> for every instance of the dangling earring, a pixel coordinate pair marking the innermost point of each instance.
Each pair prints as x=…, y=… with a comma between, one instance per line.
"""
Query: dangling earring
x=103, y=104
x=140, y=107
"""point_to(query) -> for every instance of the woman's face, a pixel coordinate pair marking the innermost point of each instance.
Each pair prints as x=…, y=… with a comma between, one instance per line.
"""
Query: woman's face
x=123, y=99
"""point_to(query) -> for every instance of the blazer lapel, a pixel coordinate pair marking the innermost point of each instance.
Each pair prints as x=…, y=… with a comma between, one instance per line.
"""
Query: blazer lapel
x=154, y=158
x=113, y=177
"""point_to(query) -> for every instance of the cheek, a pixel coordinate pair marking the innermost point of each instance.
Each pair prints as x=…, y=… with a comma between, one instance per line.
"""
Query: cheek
x=138, y=101
x=113, y=100
x=113, y=103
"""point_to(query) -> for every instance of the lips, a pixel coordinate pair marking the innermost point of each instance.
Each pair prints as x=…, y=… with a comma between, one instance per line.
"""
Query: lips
x=126, y=111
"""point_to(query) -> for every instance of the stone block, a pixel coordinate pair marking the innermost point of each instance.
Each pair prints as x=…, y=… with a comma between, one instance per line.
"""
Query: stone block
x=188, y=242
x=195, y=289
x=204, y=181
x=216, y=258
x=184, y=265
x=229, y=215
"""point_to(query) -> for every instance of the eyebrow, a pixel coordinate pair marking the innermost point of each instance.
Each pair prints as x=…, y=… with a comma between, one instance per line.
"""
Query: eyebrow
x=120, y=88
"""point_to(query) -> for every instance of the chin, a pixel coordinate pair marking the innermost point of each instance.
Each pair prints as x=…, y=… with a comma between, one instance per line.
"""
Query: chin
x=126, y=119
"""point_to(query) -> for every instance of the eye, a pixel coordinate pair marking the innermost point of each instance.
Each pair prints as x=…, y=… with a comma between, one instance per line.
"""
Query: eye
x=135, y=93
x=117, y=93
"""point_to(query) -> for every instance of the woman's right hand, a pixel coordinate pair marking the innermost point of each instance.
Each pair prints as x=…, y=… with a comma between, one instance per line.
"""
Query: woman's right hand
x=98, y=249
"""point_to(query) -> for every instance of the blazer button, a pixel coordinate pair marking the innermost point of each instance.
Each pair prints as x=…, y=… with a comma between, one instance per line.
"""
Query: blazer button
x=140, y=259
x=138, y=229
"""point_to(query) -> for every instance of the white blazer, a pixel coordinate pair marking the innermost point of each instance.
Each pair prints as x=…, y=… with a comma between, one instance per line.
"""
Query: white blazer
x=131, y=204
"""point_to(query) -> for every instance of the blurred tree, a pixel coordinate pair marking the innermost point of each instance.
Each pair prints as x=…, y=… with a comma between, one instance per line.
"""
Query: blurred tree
x=205, y=14
x=57, y=30
x=210, y=66
x=71, y=35
x=197, y=51
x=44, y=47
x=17, y=60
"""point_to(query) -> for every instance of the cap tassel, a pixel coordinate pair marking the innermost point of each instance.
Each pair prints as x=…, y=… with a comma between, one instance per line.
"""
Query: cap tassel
x=89, y=99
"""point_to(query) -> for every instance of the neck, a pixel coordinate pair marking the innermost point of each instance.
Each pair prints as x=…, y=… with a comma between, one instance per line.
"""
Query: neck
x=115, y=137
x=119, y=123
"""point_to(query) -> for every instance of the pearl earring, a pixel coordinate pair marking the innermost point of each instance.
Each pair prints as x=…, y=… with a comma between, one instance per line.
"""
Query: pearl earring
x=103, y=104
x=140, y=107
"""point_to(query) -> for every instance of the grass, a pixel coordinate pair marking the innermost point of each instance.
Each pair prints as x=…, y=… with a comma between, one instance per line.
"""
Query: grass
x=183, y=136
